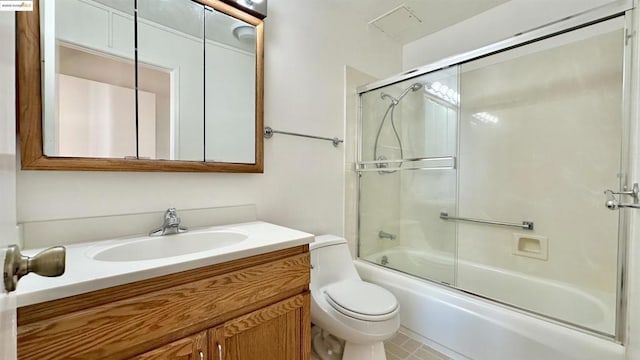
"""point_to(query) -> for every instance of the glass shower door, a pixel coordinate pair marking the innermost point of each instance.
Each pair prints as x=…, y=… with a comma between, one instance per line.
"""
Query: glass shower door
x=490, y=175
x=407, y=169
x=541, y=133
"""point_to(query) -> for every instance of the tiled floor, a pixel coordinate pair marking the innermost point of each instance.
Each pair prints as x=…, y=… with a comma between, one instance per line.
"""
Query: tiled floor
x=402, y=347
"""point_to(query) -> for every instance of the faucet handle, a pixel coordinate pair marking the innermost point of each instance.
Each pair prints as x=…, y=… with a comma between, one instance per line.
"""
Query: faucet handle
x=170, y=225
x=171, y=217
x=170, y=212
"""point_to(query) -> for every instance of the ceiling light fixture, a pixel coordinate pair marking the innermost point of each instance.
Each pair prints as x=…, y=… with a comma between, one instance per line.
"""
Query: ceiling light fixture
x=245, y=34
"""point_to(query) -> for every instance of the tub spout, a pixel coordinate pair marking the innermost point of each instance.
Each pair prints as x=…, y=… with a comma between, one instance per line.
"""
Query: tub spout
x=385, y=235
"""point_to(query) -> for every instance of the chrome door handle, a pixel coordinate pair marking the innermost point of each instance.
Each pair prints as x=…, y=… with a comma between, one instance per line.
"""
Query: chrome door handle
x=634, y=192
x=614, y=204
x=201, y=355
x=49, y=262
x=219, y=351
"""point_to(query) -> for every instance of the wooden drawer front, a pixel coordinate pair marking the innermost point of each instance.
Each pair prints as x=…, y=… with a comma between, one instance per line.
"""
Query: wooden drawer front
x=189, y=348
x=132, y=326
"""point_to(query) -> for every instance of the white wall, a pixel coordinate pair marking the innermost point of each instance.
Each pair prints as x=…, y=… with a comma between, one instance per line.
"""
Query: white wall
x=493, y=25
x=308, y=43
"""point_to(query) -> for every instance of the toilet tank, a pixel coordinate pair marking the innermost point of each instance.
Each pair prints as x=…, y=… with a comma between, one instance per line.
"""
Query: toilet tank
x=330, y=261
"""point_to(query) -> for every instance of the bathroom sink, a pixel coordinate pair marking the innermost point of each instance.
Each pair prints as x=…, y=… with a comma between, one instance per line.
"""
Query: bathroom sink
x=158, y=247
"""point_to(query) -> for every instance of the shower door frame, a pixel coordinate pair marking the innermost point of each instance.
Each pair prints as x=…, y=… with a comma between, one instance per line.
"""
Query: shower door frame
x=619, y=8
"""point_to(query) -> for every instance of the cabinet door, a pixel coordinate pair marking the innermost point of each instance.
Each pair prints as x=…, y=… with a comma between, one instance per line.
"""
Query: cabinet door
x=281, y=331
x=190, y=348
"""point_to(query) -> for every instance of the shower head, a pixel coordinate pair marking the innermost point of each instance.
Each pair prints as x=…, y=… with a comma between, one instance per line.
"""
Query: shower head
x=413, y=88
x=416, y=87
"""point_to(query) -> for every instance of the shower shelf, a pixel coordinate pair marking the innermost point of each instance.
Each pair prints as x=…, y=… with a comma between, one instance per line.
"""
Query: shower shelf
x=420, y=163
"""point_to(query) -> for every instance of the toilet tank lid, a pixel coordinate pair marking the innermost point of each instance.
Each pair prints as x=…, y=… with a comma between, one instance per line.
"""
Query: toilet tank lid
x=326, y=240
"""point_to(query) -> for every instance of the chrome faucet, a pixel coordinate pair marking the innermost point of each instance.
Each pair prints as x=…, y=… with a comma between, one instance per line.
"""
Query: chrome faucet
x=171, y=224
x=385, y=235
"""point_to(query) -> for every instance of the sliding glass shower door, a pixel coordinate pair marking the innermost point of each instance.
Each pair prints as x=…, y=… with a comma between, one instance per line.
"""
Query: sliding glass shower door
x=408, y=175
x=489, y=175
x=540, y=141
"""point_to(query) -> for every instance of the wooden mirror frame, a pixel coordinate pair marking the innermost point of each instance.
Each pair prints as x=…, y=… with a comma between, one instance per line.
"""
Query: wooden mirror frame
x=29, y=108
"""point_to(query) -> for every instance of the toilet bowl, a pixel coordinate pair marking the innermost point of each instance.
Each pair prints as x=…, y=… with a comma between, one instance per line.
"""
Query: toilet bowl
x=360, y=313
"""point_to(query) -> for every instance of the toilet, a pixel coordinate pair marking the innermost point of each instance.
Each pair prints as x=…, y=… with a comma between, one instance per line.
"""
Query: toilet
x=360, y=313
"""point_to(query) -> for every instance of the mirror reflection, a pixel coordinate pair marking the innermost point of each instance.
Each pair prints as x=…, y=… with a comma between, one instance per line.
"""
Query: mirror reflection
x=230, y=89
x=89, y=87
x=196, y=81
x=170, y=39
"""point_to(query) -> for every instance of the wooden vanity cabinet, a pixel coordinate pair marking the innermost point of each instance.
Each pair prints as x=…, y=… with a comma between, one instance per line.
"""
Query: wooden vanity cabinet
x=255, y=308
x=190, y=348
x=271, y=333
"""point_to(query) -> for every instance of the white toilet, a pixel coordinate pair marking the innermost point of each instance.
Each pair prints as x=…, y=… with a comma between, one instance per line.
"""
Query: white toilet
x=360, y=313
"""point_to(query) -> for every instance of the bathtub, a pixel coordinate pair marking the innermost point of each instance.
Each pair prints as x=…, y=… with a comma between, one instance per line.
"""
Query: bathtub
x=470, y=327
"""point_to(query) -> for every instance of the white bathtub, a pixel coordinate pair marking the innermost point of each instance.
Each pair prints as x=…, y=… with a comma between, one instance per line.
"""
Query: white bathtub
x=474, y=328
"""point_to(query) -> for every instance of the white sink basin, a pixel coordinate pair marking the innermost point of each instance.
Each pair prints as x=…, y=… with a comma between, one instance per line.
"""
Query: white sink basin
x=158, y=247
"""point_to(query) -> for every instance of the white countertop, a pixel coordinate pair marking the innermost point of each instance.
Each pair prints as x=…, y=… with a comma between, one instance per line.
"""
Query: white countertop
x=84, y=274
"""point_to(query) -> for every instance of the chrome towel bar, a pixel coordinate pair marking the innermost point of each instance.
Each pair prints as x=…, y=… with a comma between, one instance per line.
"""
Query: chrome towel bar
x=526, y=225
x=268, y=133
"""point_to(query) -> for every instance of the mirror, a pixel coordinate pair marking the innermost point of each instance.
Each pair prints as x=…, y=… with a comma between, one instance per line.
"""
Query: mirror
x=197, y=69
x=171, y=41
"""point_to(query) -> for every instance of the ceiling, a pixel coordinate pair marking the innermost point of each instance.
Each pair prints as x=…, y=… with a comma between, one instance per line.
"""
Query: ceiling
x=418, y=18
x=402, y=20
x=187, y=17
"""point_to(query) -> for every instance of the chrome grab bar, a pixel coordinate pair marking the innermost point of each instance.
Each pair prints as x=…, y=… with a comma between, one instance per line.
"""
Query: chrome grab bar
x=526, y=225
x=268, y=134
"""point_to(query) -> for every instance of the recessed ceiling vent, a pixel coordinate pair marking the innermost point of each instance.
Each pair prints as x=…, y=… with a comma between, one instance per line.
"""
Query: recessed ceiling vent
x=396, y=21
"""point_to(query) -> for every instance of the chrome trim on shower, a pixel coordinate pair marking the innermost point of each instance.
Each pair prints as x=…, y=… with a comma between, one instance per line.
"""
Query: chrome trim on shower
x=634, y=192
x=585, y=18
x=526, y=225
x=614, y=204
x=629, y=75
x=441, y=163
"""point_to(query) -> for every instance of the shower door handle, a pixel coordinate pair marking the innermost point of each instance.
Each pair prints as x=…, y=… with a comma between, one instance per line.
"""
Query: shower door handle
x=634, y=192
x=613, y=204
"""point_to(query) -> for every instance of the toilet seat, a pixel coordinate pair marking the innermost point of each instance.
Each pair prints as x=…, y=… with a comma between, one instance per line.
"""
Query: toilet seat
x=361, y=300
